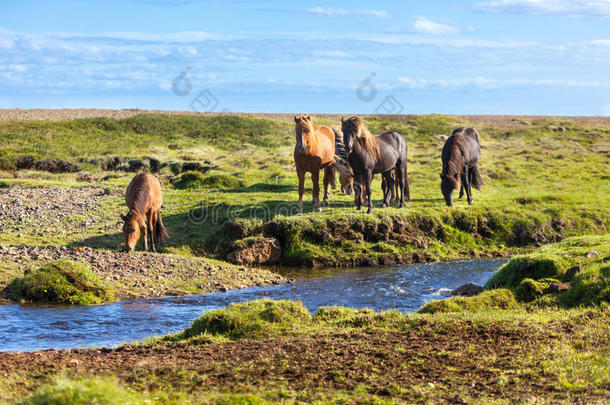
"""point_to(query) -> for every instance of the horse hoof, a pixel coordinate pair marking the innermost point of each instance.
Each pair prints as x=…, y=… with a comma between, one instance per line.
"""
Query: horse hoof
x=319, y=209
x=383, y=205
x=299, y=211
x=325, y=203
x=369, y=211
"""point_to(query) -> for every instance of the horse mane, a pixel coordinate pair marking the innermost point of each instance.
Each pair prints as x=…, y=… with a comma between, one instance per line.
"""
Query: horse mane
x=453, y=153
x=305, y=123
x=369, y=141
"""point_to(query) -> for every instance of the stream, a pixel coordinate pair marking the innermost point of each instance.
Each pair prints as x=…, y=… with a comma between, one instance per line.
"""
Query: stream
x=401, y=287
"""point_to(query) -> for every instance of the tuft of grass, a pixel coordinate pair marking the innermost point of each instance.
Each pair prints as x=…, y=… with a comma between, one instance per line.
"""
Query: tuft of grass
x=61, y=282
x=494, y=299
x=254, y=319
x=106, y=391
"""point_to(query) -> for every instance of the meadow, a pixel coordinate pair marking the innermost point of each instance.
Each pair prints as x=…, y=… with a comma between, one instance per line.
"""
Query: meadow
x=229, y=180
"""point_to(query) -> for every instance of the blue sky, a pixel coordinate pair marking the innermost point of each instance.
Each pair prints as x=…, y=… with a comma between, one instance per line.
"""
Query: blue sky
x=478, y=57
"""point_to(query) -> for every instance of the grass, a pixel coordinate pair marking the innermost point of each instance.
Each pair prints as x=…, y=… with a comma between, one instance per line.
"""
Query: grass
x=254, y=319
x=60, y=282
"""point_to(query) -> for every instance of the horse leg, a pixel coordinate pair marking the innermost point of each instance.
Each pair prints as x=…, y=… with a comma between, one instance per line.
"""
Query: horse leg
x=152, y=225
x=326, y=182
x=470, y=175
x=368, y=177
x=301, y=176
x=388, y=190
x=400, y=180
x=358, y=191
x=315, y=177
x=466, y=184
x=145, y=237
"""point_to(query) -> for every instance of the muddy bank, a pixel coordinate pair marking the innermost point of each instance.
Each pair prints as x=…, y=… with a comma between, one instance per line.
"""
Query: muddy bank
x=405, y=365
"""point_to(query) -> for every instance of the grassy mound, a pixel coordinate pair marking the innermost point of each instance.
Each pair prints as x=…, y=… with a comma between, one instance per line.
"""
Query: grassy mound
x=61, y=282
x=193, y=180
x=551, y=261
x=86, y=391
x=254, y=319
x=494, y=299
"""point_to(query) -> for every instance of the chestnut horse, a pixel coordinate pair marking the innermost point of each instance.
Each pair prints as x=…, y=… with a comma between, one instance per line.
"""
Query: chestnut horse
x=143, y=198
x=369, y=154
x=461, y=154
x=314, y=150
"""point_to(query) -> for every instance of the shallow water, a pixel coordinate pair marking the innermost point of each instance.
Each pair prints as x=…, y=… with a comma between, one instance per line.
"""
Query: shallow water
x=403, y=287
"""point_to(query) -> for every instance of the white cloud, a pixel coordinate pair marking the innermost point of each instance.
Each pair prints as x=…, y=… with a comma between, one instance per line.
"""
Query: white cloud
x=424, y=26
x=331, y=11
x=570, y=8
x=487, y=83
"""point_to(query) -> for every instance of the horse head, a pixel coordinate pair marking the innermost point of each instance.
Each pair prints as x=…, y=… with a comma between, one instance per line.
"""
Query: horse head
x=449, y=182
x=303, y=128
x=131, y=230
x=351, y=129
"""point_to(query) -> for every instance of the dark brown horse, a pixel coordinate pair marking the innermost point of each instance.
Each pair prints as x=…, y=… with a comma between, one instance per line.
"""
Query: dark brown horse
x=314, y=150
x=143, y=198
x=369, y=154
x=460, y=156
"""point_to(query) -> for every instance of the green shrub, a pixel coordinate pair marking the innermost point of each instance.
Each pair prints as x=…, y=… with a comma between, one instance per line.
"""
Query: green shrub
x=254, y=319
x=87, y=391
x=61, y=282
x=494, y=299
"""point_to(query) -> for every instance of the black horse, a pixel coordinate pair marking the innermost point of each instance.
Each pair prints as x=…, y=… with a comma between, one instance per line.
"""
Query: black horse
x=460, y=156
x=368, y=154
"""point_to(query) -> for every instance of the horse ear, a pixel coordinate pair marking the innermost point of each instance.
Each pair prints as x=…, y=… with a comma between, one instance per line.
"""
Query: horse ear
x=296, y=118
x=342, y=118
x=309, y=117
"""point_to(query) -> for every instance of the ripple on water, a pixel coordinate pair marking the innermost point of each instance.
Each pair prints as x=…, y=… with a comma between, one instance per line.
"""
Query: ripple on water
x=403, y=288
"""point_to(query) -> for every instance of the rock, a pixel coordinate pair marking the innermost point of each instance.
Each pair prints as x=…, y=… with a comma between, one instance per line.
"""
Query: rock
x=591, y=254
x=73, y=363
x=571, y=273
x=154, y=163
x=257, y=251
x=223, y=289
x=442, y=137
x=468, y=290
x=138, y=164
x=558, y=287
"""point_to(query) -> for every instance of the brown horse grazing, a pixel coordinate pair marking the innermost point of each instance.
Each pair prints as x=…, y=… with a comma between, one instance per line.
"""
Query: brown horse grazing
x=460, y=156
x=143, y=198
x=314, y=150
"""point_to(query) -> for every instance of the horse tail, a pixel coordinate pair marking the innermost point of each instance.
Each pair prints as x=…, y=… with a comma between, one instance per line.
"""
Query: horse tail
x=477, y=181
x=161, y=231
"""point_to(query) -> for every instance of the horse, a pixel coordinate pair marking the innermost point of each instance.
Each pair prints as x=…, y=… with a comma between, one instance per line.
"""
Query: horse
x=314, y=150
x=460, y=156
x=369, y=154
x=143, y=198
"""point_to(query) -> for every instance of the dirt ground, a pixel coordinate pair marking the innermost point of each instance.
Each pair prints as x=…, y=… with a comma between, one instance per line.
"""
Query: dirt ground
x=507, y=121
x=394, y=364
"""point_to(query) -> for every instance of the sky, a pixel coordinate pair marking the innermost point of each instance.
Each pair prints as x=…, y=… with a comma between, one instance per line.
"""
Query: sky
x=532, y=57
